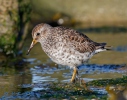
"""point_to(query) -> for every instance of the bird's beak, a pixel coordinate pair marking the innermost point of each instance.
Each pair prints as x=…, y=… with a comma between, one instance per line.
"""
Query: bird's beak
x=31, y=46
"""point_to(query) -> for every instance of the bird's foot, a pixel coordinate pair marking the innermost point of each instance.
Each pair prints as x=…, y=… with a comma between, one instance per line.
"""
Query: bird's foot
x=83, y=83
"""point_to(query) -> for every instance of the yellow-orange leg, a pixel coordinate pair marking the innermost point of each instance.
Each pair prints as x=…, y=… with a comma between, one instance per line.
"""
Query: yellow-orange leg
x=75, y=72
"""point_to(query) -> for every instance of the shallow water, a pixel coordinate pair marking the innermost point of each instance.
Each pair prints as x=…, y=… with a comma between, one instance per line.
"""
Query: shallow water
x=41, y=70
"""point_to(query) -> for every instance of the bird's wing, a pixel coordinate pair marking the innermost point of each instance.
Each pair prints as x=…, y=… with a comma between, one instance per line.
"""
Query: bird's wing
x=77, y=40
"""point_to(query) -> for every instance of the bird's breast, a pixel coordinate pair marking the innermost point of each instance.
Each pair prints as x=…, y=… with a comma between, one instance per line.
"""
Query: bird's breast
x=65, y=56
x=62, y=53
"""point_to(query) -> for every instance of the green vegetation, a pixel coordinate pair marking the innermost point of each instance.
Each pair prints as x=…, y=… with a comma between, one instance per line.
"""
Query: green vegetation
x=13, y=25
x=77, y=91
x=104, y=82
x=7, y=43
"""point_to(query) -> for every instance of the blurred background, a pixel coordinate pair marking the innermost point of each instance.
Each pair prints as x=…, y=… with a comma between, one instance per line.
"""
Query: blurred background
x=100, y=20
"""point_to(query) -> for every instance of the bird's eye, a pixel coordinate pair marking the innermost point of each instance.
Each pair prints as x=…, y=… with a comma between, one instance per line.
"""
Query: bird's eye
x=38, y=34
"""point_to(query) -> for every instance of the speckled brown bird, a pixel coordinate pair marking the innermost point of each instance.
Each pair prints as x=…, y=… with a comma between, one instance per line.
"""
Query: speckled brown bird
x=66, y=46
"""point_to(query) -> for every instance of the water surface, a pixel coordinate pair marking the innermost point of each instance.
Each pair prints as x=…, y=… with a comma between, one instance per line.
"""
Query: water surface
x=41, y=70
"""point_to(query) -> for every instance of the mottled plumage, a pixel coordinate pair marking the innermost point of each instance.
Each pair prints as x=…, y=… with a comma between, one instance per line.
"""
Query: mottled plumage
x=65, y=46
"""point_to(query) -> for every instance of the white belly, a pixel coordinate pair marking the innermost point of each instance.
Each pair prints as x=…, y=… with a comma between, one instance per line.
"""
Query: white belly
x=68, y=57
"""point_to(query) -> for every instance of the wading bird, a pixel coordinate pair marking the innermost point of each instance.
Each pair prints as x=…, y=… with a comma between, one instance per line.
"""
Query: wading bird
x=66, y=46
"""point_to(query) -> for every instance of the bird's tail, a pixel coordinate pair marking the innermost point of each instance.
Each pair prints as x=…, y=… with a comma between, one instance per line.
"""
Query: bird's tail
x=102, y=47
x=108, y=47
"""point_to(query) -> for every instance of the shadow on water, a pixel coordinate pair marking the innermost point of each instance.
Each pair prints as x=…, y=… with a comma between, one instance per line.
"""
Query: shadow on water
x=105, y=29
x=121, y=48
x=40, y=78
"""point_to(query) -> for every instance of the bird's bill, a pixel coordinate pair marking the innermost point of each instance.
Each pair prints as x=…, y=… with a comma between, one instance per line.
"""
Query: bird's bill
x=31, y=46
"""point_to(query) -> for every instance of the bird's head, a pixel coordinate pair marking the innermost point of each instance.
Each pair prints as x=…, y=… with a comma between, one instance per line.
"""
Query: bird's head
x=38, y=33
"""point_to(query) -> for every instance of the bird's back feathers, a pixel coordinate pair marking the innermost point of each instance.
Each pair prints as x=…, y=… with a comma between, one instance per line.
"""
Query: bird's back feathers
x=79, y=41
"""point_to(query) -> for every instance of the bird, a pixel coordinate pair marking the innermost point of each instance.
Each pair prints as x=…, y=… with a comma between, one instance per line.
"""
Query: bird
x=66, y=46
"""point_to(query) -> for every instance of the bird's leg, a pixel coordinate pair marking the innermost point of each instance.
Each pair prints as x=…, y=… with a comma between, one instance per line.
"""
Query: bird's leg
x=75, y=72
x=77, y=77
